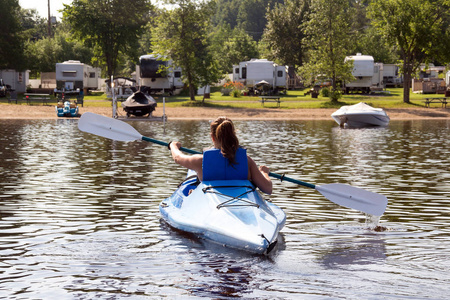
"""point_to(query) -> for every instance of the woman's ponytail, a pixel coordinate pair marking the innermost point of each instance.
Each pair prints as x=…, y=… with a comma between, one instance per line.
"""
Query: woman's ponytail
x=223, y=131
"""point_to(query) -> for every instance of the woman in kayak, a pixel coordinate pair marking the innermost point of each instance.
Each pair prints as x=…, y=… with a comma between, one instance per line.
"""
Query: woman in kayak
x=226, y=161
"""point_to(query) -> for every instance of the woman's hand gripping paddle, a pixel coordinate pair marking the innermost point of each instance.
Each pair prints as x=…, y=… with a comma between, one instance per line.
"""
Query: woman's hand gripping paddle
x=341, y=194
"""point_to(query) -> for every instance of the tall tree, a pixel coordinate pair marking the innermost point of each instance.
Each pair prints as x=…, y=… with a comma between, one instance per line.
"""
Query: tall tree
x=284, y=35
x=418, y=28
x=110, y=27
x=231, y=46
x=11, y=38
x=328, y=33
x=181, y=35
x=43, y=54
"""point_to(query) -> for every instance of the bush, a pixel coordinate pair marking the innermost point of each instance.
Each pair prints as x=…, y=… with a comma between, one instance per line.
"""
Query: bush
x=236, y=93
x=325, y=92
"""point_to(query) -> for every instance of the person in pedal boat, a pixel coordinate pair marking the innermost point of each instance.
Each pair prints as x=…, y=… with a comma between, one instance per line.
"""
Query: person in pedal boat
x=226, y=161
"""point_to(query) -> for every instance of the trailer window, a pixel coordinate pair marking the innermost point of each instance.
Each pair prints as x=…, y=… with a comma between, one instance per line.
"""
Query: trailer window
x=236, y=71
x=69, y=73
x=92, y=75
x=280, y=73
x=177, y=74
x=244, y=73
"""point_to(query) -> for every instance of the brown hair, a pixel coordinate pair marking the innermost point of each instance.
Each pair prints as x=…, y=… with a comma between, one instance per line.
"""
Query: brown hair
x=222, y=129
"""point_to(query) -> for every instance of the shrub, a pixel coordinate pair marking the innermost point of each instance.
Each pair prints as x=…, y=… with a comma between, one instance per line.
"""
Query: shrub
x=236, y=93
x=325, y=92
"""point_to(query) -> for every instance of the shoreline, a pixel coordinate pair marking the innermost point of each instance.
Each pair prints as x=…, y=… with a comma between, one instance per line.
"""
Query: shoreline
x=11, y=111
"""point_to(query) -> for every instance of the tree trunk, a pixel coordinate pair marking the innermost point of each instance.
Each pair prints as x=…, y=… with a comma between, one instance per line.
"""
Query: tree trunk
x=406, y=81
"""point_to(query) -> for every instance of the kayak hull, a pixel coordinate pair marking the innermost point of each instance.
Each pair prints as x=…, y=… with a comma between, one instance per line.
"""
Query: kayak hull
x=228, y=212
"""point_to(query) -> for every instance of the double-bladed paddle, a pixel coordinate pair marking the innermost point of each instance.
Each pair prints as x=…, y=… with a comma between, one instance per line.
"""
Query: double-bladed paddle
x=341, y=194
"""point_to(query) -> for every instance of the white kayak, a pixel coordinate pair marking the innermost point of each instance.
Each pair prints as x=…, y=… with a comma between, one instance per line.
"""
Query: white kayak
x=228, y=212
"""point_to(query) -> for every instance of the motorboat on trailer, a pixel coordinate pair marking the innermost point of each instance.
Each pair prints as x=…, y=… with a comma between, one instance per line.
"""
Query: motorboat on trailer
x=360, y=115
x=139, y=104
x=227, y=212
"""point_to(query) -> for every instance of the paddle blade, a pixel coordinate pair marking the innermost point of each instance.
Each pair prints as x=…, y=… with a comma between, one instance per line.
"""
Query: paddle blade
x=108, y=127
x=353, y=197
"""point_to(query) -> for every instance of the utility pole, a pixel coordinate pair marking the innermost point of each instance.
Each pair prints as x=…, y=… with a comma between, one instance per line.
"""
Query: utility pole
x=49, y=22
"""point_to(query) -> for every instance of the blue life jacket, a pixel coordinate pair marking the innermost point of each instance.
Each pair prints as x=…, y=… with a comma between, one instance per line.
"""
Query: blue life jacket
x=216, y=167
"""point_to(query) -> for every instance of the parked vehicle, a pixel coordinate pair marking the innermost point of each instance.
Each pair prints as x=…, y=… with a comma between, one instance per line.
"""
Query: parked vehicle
x=156, y=74
x=123, y=87
x=391, y=76
x=74, y=76
x=368, y=75
x=258, y=72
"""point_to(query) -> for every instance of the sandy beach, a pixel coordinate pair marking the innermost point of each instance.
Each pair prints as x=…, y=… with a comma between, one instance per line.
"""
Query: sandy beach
x=11, y=111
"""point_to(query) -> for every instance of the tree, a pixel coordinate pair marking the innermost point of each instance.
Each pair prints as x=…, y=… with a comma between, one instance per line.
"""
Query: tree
x=231, y=46
x=43, y=54
x=328, y=34
x=110, y=27
x=34, y=26
x=11, y=38
x=418, y=28
x=284, y=35
x=181, y=34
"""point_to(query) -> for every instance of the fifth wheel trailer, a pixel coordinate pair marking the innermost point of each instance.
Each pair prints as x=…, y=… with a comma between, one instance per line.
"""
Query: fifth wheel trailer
x=72, y=75
x=156, y=74
x=368, y=74
x=257, y=71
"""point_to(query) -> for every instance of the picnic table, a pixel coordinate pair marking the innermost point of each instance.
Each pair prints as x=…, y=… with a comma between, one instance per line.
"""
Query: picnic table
x=270, y=99
x=30, y=97
x=443, y=101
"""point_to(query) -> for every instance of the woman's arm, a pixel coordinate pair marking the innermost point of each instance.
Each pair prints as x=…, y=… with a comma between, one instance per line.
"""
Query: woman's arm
x=193, y=162
x=259, y=176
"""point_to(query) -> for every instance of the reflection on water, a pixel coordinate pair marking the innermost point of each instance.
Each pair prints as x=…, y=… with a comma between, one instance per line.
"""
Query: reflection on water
x=79, y=214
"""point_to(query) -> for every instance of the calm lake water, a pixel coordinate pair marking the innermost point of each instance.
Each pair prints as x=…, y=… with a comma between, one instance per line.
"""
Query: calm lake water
x=79, y=214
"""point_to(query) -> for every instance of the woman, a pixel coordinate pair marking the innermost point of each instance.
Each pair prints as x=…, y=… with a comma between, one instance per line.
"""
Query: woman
x=226, y=161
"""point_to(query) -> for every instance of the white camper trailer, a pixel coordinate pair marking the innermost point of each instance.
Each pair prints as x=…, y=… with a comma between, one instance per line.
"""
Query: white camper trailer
x=391, y=76
x=73, y=76
x=14, y=80
x=368, y=75
x=156, y=74
x=261, y=71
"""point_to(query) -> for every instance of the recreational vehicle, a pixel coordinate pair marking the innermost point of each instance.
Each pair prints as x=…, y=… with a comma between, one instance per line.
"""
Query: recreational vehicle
x=261, y=72
x=391, y=76
x=73, y=76
x=14, y=80
x=156, y=74
x=368, y=75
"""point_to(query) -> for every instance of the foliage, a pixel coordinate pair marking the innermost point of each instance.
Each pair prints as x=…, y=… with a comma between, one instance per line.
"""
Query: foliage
x=181, y=34
x=247, y=15
x=11, y=37
x=110, y=28
x=283, y=35
x=418, y=28
x=231, y=46
x=232, y=87
x=34, y=27
x=327, y=33
x=325, y=92
x=43, y=54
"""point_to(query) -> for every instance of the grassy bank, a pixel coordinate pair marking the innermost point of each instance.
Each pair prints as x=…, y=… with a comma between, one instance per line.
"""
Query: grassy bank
x=295, y=99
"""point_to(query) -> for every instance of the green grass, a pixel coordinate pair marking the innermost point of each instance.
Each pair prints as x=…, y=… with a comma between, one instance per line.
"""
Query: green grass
x=295, y=99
